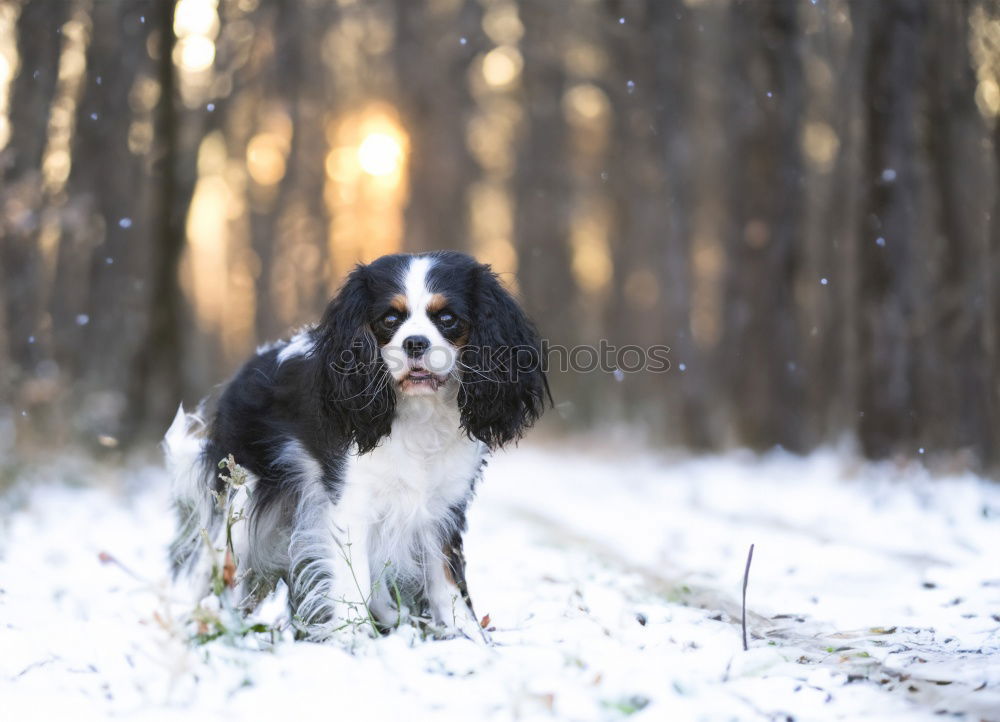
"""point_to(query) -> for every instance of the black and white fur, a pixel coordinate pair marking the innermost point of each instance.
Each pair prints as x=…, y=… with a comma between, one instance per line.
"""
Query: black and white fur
x=363, y=447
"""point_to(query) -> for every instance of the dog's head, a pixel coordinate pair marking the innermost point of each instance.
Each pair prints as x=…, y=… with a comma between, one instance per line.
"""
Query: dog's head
x=438, y=324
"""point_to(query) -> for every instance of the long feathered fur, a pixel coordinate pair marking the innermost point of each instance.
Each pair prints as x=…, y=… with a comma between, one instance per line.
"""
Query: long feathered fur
x=331, y=448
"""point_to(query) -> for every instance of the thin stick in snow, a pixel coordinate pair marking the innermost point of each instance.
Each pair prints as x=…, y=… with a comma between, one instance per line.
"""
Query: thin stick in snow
x=746, y=578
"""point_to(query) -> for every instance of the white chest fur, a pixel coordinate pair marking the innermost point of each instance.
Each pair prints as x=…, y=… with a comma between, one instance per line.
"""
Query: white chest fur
x=399, y=496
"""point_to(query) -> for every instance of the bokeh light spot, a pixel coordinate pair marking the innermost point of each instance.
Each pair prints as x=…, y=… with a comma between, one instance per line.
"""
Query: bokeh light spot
x=380, y=154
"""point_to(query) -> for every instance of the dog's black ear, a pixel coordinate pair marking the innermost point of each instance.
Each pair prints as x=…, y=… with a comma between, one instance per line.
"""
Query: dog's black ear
x=353, y=380
x=504, y=387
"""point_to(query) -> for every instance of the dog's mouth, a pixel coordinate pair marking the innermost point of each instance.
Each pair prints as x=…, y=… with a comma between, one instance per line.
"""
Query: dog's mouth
x=421, y=379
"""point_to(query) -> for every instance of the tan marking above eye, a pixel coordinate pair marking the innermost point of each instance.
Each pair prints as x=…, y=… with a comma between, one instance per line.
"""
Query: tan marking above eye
x=398, y=302
x=437, y=302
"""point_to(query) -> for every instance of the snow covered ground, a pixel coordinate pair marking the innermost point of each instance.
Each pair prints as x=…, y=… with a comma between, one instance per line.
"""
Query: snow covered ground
x=613, y=583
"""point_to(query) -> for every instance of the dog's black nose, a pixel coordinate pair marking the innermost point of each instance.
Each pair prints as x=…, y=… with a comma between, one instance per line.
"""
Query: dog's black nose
x=414, y=346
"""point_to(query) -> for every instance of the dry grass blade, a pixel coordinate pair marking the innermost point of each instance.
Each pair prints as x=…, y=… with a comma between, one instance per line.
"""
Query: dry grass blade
x=746, y=578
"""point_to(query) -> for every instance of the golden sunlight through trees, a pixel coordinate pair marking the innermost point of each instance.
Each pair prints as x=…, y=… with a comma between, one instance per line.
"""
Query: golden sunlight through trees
x=380, y=154
x=8, y=65
x=218, y=268
x=196, y=24
x=984, y=44
x=366, y=188
x=491, y=135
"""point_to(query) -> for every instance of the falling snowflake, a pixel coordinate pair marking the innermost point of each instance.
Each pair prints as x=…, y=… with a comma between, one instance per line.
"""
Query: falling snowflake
x=124, y=222
x=82, y=319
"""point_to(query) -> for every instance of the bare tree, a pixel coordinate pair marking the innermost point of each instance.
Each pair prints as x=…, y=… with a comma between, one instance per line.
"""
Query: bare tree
x=543, y=197
x=956, y=410
x=156, y=381
x=765, y=198
x=21, y=198
x=434, y=49
x=888, y=226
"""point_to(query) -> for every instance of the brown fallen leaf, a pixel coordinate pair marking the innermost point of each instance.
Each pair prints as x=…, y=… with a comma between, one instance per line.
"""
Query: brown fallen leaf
x=229, y=570
x=548, y=700
x=485, y=621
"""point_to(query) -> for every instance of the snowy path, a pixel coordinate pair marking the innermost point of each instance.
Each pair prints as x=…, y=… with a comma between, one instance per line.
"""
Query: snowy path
x=875, y=593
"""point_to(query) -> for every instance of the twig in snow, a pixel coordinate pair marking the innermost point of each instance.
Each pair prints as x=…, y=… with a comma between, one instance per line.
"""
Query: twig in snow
x=36, y=665
x=746, y=578
x=105, y=558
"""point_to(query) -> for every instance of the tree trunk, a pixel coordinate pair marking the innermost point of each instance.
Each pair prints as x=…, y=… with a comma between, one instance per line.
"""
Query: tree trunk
x=156, y=382
x=888, y=227
x=956, y=408
x=543, y=195
x=431, y=68
x=761, y=337
x=39, y=44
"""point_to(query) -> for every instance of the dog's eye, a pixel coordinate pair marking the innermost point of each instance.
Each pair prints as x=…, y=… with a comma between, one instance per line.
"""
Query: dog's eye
x=390, y=321
x=447, y=319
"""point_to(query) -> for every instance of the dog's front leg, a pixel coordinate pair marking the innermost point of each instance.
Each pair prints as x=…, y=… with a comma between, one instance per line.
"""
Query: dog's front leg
x=449, y=604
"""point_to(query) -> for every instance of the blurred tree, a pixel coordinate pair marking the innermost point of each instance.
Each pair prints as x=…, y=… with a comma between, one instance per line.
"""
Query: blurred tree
x=435, y=45
x=957, y=410
x=889, y=227
x=21, y=264
x=156, y=378
x=765, y=198
x=543, y=199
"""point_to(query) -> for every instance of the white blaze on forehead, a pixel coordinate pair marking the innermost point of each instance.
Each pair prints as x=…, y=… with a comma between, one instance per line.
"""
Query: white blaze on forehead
x=418, y=295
